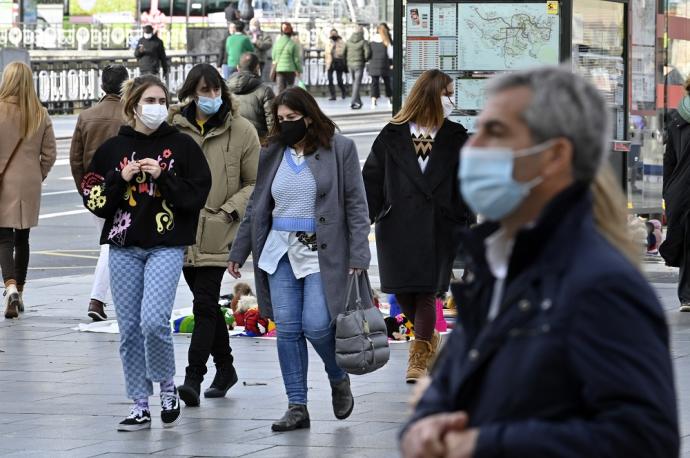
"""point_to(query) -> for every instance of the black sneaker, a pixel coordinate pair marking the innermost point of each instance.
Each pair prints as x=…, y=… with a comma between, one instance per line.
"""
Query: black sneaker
x=137, y=419
x=170, y=408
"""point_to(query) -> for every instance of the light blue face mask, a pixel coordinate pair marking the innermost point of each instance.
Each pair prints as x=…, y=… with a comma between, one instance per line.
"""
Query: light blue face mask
x=209, y=105
x=486, y=179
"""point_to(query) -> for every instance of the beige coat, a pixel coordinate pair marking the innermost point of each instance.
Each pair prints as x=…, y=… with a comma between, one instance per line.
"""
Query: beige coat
x=232, y=152
x=20, y=186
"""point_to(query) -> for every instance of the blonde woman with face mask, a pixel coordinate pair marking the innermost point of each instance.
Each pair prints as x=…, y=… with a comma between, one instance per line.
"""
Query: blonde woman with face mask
x=149, y=183
x=412, y=190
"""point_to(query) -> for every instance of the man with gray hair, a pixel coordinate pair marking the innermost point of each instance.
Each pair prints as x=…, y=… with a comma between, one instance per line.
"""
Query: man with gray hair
x=562, y=346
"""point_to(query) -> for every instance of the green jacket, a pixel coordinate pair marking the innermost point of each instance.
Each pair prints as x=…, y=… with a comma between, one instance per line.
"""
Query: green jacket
x=286, y=55
x=232, y=153
x=357, y=51
x=236, y=45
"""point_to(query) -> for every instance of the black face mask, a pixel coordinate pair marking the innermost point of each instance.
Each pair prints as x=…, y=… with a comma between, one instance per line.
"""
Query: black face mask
x=292, y=132
x=334, y=38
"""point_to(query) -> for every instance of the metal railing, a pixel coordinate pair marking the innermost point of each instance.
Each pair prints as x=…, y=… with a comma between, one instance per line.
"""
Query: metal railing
x=315, y=73
x=81, y=37
x=64, y=86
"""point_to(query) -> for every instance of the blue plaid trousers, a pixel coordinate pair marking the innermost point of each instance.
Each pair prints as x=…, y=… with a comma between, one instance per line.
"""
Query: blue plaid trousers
x=143, y=284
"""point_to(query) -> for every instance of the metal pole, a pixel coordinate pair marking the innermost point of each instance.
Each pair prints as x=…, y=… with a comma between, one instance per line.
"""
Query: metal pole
x=172, y=11
x=397, y=55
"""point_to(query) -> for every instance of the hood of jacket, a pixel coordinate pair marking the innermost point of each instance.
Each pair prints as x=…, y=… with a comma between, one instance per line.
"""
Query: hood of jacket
x=356, y=37
x=243, y=82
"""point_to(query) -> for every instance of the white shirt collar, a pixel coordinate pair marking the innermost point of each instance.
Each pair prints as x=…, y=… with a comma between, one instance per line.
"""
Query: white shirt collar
x=499, y=248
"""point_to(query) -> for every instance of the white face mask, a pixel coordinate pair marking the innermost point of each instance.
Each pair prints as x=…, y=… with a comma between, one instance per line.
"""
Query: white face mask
x=448, y=105
x=153, y=115
x=148, y=36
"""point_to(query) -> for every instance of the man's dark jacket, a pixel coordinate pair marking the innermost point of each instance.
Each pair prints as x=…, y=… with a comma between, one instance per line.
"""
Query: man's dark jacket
x=152, y=57
x=577, y=362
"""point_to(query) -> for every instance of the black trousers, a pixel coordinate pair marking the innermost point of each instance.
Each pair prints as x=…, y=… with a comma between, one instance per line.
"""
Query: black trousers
x=210, y=335
x=285, y=80
x=376, y=91
x=684, y=272
x=341, y=83
x=14, y=254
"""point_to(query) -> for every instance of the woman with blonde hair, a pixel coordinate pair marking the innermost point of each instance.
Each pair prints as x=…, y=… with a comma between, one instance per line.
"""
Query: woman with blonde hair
x=27, y=153
x=149, y=183
x=412, y=190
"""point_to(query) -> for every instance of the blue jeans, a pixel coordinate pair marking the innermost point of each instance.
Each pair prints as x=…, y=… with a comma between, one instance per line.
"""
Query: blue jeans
x=301, y=313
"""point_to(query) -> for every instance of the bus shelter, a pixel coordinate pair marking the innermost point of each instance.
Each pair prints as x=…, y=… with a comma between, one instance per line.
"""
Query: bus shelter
x=472, y=41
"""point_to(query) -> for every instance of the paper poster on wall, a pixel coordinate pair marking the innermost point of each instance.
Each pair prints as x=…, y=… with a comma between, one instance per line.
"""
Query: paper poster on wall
x=422, y=53
x=470, y=93
x=468, y=122
x=418, y=19
x=448, y=46
x=506, y=36
x=448, y=63
x=445, y=19
x=448, y=53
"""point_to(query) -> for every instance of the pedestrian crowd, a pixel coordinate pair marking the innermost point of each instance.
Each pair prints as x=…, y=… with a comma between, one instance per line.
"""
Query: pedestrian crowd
x=342, y=57
x=561, y=346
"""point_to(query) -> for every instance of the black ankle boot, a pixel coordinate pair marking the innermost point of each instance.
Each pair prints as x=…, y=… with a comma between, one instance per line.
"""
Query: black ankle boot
x=296, y=417
x=343, y=402
x=189, y=391
x=225, y=378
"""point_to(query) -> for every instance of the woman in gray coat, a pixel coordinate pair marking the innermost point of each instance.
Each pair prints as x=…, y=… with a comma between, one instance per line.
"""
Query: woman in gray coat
x=307, y=226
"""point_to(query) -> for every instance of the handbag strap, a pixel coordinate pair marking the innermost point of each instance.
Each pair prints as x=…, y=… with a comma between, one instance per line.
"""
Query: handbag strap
x=358, y=298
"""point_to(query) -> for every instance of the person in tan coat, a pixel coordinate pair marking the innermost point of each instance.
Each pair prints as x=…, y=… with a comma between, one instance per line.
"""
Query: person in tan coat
x=94, y=127
x=27, y=153
x=210, y=115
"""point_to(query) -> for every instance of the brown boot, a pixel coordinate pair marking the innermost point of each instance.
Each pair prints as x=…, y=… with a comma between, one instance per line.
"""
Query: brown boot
x=96, y=310
x=435, y=344
x=420, y=352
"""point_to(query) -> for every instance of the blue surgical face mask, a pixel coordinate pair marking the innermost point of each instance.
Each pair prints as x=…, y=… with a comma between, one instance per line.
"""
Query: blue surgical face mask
x=209, y=105
x=486, y=179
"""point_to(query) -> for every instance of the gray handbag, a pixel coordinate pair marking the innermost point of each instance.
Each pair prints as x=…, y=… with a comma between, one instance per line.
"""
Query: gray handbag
x=361, y=338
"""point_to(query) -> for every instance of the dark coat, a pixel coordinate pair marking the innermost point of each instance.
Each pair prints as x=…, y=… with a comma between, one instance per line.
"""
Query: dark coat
x=576, y=364
x=675, y=191
x=256, y=100
x=418, y=215
x=151, y=55
x=357, y=51
x=342, y=226
x=379, y=63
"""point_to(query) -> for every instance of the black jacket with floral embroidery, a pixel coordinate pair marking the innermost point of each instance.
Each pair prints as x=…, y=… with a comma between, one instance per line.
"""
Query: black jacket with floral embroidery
x=147, y=212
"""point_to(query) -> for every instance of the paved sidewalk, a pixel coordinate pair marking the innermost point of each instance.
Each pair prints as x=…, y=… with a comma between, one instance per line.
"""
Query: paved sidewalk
x=62, y=393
